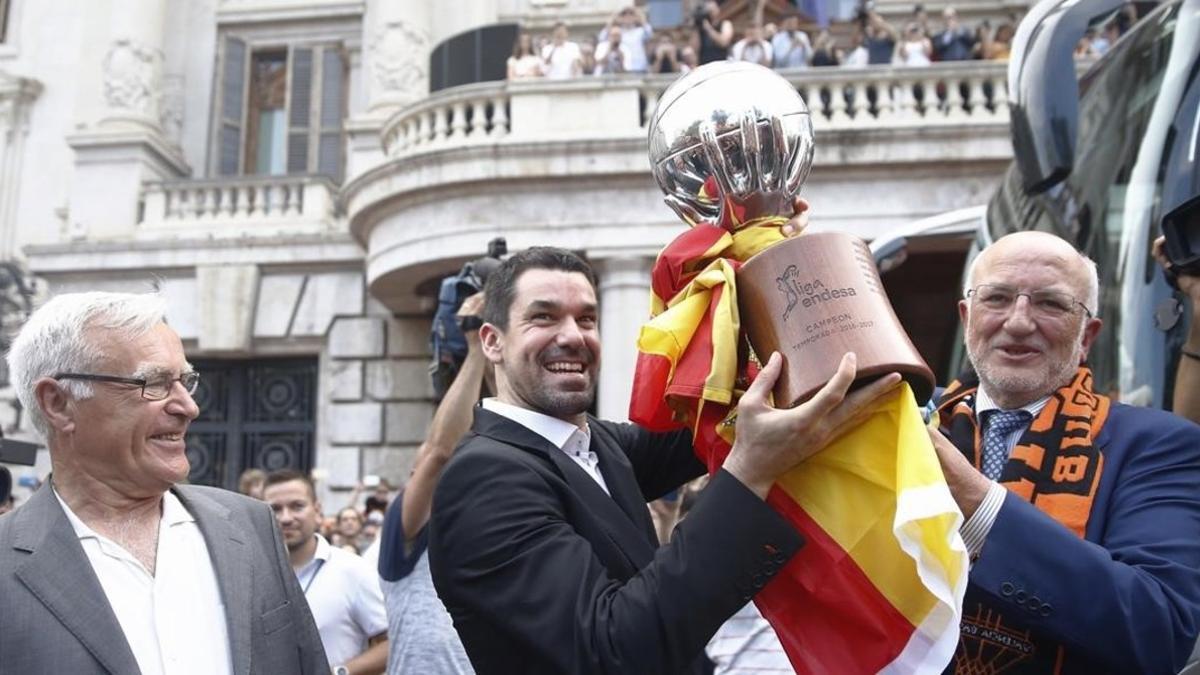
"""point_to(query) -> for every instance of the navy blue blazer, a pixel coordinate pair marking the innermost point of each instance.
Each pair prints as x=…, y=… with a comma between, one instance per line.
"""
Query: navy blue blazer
x=1126, y=597
x=545, y=573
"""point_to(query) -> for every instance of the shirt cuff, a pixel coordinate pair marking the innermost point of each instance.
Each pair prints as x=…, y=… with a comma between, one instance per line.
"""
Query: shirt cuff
x=975, y=531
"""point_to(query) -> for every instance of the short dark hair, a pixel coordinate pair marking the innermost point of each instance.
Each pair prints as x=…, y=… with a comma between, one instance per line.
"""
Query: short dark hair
x=288, y=475
x=501, y=286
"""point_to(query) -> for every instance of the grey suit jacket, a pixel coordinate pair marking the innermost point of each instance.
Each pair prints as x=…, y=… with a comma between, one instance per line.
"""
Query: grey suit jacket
x=55, y=618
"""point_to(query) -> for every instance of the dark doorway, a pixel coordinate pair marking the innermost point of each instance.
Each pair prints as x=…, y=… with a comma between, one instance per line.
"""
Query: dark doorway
x=253, y=414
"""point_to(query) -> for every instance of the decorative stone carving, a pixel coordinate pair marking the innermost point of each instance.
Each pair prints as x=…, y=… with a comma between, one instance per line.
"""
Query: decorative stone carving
x=170, y=114
x=131, y=77
x=399, y=53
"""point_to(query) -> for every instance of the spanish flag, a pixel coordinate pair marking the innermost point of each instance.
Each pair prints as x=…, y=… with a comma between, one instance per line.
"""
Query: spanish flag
x=879, y=586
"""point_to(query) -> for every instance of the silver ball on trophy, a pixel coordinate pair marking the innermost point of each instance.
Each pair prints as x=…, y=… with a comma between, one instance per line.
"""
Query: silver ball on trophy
x=739, y=127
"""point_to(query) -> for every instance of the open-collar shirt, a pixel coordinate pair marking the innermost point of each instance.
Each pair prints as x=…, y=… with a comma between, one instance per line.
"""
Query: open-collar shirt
x=570, y=439
x=174, y=620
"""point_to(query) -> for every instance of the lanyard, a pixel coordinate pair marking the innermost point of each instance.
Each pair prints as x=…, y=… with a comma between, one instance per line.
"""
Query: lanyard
x=313, y=577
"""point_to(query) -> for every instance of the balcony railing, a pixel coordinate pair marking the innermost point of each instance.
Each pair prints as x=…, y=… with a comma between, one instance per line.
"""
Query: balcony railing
x=241, y=205
x=968, y=92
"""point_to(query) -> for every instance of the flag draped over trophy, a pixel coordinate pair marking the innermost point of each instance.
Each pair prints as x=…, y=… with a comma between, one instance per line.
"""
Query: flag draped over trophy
x=879, y=585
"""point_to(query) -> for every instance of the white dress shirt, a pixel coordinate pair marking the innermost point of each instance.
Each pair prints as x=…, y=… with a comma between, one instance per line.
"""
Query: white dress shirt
x=173, y=620
x=572, y=440
x=975, y=531
x=346, y=600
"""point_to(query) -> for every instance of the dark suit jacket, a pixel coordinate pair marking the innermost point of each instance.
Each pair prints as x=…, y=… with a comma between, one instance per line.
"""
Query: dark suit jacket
x=55, y=618
x=545, y=573
x=1126, y=597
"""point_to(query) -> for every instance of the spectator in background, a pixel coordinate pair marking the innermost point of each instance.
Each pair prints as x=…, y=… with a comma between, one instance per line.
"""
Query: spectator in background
x=612, y=57
x=349, y=526
x=880, y=39
x=715, y=34
x=587, y=56
x=377, y=502
x=524, y=63
x=1084, y=49
x=996, y=46
x=250, y=483
x=858, y=56
x=666, y=56
x=752, y=48
x=790, y=46
x=561, y=58
x=635, y=34
x=825, y=52
x=915, y=49
x=955, y=42
x=341, y=589
x=688, y=60
x=1104, y=41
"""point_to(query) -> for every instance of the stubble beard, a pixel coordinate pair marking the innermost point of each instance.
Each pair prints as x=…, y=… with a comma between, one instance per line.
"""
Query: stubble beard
x=1003, y=384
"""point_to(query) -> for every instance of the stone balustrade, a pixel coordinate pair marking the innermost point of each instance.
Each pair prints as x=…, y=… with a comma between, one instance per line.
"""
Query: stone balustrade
x=240, y=205
x=969, y=92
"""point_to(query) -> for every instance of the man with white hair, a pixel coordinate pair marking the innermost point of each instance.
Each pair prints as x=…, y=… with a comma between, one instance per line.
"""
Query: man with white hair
x=112, y=567
x=1083, y=514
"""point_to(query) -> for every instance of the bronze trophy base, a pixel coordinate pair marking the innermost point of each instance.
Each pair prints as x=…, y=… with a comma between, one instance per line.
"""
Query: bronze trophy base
x=815, y=297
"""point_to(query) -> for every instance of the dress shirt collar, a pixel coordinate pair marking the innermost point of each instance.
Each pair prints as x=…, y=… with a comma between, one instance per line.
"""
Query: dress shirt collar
x=557, y=431
x=173, y=513
x=983, y=403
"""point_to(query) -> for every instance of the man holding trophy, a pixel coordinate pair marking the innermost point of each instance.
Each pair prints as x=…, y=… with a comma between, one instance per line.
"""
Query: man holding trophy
x=541, y=546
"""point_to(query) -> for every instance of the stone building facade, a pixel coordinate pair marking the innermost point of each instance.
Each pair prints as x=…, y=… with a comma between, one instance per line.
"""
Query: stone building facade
x=281, y=171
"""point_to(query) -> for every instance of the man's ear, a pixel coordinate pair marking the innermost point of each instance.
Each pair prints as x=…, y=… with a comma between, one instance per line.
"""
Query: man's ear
x=55, y=405
x=962, y=315
x=491, y=339
x=1090, y=330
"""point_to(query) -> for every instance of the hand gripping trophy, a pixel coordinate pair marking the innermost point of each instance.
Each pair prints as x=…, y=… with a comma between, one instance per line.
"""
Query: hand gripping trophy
x=731, y=144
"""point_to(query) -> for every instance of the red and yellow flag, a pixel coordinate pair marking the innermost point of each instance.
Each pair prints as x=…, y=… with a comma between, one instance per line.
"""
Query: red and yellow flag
x=879, y=585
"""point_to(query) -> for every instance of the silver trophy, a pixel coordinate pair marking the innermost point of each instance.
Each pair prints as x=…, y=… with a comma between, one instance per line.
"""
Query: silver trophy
x=739, y=127
x=731, y=143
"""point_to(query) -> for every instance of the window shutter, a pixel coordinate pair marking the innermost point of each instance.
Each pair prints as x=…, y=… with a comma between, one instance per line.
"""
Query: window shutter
x=300, y=110
x=333, y=97
x=233, y=104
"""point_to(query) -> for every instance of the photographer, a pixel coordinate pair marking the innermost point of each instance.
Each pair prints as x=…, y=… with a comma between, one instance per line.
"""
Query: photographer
x=420, y=632
x=1186, y=402
x=716, y=34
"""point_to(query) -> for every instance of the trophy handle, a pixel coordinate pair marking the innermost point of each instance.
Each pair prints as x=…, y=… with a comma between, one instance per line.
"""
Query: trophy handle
x=685, y=210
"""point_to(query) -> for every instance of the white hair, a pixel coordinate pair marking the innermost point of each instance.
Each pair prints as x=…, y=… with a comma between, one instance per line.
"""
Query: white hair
x=1091, y=292
x=58, y=338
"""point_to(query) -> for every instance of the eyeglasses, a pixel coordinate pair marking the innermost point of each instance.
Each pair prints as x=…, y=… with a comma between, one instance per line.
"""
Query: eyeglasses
x=152, y=390
x=1045, y=304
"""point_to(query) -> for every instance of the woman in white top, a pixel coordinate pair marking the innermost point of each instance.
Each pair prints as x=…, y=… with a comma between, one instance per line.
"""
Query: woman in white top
x=524, y=63
x=916, y=49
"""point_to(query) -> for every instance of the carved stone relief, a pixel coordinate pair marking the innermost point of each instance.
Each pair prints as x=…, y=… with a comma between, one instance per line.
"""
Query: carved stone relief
x=399, y=53
x=172, y=107
x=131, y=74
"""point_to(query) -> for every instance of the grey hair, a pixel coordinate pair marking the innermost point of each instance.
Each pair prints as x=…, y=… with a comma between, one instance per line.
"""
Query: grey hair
x=1092, y=291
x=56, y=339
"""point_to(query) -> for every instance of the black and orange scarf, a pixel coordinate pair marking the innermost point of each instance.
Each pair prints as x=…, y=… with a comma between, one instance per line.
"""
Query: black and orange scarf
x=1055, y=466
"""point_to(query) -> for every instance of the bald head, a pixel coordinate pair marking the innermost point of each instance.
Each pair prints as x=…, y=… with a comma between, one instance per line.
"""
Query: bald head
x=1044, y=249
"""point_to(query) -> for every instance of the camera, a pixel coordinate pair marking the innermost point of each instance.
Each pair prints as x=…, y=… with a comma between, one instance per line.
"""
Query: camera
x=1181, y=234
x=447, y=340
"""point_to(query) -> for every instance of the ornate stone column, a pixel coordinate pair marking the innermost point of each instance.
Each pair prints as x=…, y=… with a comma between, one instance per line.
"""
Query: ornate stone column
x=16, y=96
x=133, y=65
x=396, y=46
x=624, y=305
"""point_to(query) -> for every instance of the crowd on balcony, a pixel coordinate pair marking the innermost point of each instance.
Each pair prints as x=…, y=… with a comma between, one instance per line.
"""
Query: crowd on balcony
x=629, y=44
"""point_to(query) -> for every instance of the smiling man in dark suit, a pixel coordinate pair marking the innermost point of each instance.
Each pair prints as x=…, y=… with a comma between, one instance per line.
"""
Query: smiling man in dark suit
x=541, y=545
x=110, y=567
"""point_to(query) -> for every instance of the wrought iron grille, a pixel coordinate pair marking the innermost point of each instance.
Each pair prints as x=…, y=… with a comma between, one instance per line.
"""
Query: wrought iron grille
x=253, y=414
